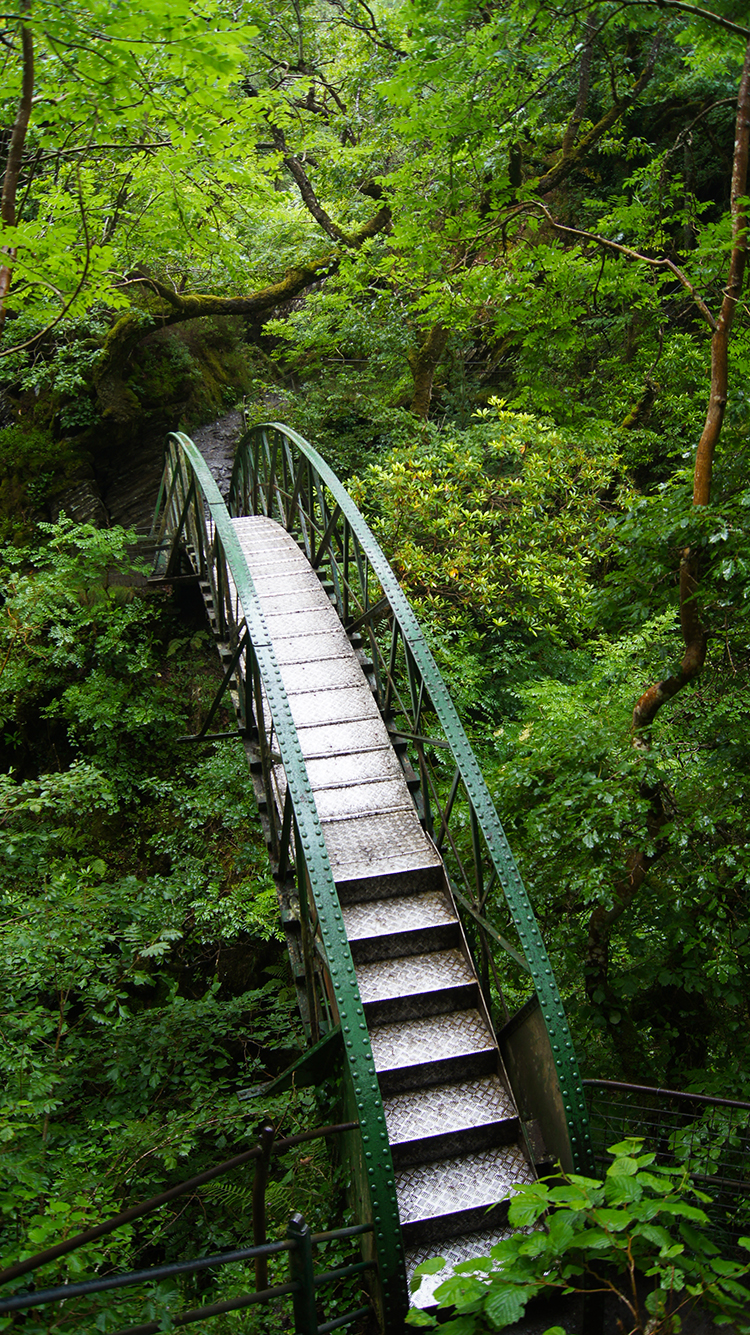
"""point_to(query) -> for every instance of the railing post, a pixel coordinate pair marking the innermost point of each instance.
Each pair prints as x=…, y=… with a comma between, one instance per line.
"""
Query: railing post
x=301, y=1270
x=260, y=1182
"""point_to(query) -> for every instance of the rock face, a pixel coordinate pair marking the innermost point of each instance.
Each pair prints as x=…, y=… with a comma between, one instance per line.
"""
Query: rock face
x=125, y=489
x=81, y=501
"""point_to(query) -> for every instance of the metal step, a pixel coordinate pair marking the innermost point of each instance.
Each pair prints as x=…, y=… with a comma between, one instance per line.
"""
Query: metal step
x=432, y=1051
x=453, y=1251
x=405, y=925
x=444, y=1120
x=353, y=768
x=416, y=985
x=452, y=1196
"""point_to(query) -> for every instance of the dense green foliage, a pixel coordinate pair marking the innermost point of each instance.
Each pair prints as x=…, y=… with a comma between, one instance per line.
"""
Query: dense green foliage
x=142, y=979
x=639, y=1234
x=514, y=219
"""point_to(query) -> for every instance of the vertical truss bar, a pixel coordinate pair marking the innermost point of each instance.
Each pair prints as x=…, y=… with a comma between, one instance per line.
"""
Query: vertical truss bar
x=308, y=957
x=387, y=703
x=271, y=474
x=445, y=815
x=345, y=602
x=477, y=849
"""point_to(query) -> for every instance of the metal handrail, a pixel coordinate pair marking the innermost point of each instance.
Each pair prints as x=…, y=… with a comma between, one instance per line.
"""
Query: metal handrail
x=659, y=1091
x=191, y=514
x=190, y=1184
x=279, y=474
x=299, y=1242
x=703, y=1134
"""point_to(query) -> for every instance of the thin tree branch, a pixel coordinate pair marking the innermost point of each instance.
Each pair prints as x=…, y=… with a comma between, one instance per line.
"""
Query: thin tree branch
x=628, y=251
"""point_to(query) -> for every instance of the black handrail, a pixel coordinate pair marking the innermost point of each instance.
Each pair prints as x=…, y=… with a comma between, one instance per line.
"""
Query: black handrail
x=145, y=1207
x=298, y=1239
x=660, y=1091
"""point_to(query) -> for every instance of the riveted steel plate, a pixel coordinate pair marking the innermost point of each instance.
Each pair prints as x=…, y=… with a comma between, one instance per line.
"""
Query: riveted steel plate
x=363, y=799
x=259, y=533
x=328, y=675
x=413, y=974
x=291, y=587
x=453, y=1251
x=292, y=602
x=450, y=1186
x=337, y=739
x=310, y=648
x=284, y=625
x=444, y=1108
x=380, y=917
x=415, y=1042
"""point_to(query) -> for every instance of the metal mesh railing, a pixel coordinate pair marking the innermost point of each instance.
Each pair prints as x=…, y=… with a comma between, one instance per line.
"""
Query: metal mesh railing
x=709, y=1136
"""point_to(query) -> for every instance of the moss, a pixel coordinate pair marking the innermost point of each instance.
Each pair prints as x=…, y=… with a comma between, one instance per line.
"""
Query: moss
x=33, y=466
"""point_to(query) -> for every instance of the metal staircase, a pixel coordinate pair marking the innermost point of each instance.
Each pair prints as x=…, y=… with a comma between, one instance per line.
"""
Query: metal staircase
x=373, y=839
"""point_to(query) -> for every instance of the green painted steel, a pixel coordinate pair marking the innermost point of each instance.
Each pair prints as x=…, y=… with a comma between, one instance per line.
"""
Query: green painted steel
x=269, y=492
x=361, y=1087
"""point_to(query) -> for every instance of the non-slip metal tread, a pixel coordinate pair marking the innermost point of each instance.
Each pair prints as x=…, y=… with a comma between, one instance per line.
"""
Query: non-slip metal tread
x=364, y=799
x=408, y=975
x=383, y=917
x=454, y=1250
x=441, y=1109
x=415, y=1043
x=447, y=1188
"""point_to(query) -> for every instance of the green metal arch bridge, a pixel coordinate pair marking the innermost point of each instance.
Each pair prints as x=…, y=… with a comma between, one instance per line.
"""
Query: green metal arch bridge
x=386, y=848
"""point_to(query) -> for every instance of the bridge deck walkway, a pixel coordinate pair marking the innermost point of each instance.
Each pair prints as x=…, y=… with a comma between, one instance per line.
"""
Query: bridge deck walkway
x=452, y=1125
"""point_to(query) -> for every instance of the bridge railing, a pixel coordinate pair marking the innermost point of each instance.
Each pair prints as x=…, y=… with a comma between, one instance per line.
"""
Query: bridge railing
x=702, y=1133
x=192, y=523
x=303, y=1285
x=279, y=474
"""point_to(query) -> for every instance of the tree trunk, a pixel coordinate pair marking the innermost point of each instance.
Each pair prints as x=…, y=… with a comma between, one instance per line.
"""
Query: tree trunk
x=423, y=364
x=15, y=155
x=694, y=634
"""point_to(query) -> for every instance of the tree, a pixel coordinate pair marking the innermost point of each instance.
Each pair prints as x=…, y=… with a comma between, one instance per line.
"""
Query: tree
x=694, y=633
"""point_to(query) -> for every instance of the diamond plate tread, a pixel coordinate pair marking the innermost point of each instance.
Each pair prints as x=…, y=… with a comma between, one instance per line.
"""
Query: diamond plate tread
x=345, y=705
x=311, y=648
x=440, y=1109
x=451, y=1186
x=363, y=799
x=437, y=1037
x=293, y=602
x=453, y=1251
x=413, y=975
x=338, y=739
x=381, y=917
x=312, y=621
x=347, y=770
x=286, y=580
x=326, y=674
x=374, y=845
x=261, y=533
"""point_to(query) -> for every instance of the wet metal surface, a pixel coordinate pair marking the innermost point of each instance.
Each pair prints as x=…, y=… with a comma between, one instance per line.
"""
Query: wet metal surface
x=460, y=1034
x=450, y=1121
x=444, y=1108
x=383, y=916
x=412, y=974
x=453, y=1251
x=449, y=1186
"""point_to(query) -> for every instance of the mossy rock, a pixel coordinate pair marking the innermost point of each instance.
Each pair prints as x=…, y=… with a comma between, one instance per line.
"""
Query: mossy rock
x=33, y=467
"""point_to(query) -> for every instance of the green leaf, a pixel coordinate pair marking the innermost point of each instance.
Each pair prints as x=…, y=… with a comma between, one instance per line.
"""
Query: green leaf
x=417, y=1317
x=505, y=1305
